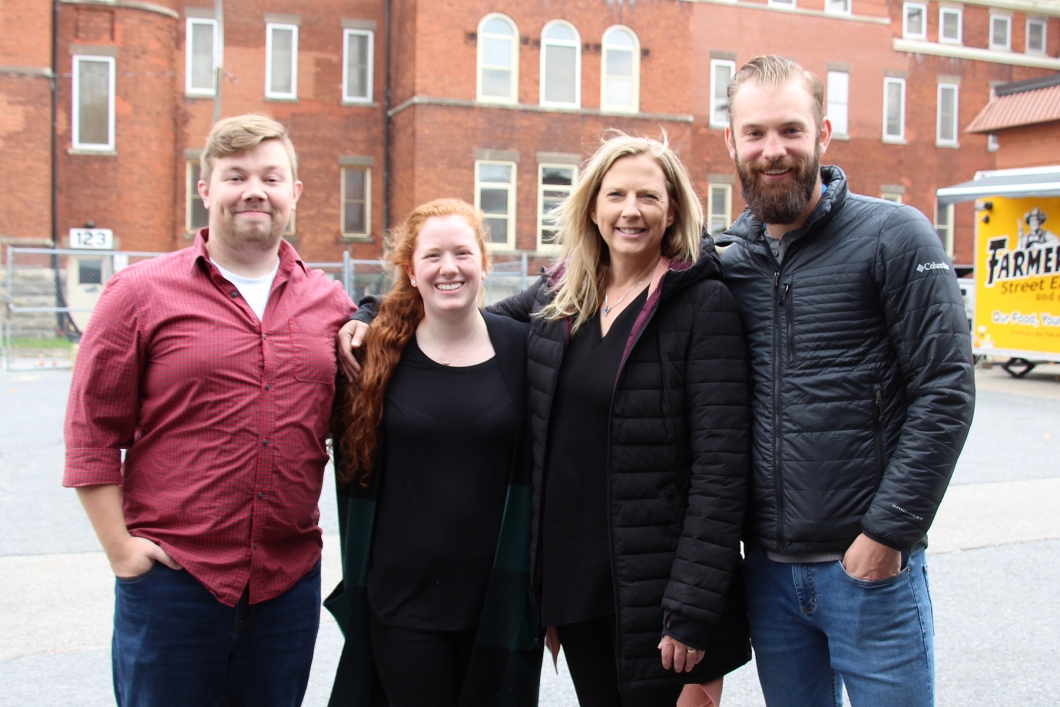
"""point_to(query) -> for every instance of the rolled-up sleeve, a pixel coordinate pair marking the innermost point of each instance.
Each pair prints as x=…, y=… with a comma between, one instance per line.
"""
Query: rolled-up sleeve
x=103, y=406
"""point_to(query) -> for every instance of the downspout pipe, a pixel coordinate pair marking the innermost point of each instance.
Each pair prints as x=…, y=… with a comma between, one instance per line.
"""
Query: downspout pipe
x=386, y=119
x=55, y=125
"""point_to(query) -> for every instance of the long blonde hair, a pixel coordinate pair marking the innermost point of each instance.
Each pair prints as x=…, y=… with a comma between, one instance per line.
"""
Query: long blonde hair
x=583, y=265
x=399, y=315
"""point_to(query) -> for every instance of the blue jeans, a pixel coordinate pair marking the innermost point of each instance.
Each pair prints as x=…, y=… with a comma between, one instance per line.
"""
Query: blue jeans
x=175, y=644
x=814, y=629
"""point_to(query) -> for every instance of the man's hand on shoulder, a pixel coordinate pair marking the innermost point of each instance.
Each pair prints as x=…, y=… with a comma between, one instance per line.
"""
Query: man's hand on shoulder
x=348, y=338
x=135, y=556
x=869, y=560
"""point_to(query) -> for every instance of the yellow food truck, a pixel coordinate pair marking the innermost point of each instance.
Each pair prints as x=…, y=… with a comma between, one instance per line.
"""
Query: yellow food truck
x=1017, y=264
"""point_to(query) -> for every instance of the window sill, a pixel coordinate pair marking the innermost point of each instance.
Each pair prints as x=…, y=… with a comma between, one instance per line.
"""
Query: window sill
x=356, y=238
x=204, y=96
x=717, y=126
x=88, y=152
x=893, y=140
x=842, y=137
x=948, y=145
x=281, y=99
x=352, y=103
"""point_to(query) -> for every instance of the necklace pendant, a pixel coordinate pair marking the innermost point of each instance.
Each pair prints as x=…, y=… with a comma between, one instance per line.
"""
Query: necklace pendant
x=607, y=310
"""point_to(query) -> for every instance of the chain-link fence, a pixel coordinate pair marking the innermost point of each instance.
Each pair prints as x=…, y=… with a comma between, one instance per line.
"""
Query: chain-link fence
x=49, y=295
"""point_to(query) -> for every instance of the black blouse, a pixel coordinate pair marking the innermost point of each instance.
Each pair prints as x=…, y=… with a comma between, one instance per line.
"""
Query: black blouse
x=447, y=438
x=576, y=550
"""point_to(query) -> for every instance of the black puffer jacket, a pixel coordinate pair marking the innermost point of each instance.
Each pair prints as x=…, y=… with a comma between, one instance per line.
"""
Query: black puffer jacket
x=863, y=381
x=679, y=445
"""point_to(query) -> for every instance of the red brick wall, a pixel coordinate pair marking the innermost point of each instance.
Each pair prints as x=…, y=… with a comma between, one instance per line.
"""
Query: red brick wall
x=25, y=119
x=1029, y=146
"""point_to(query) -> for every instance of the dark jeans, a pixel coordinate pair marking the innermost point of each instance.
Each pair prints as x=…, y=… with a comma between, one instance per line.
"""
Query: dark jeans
x=176, y=645
x=418, y=667
x=589, y=647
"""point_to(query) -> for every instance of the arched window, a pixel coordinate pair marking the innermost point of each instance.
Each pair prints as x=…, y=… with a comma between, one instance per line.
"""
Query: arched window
x=561, y=65
x=620, y=83
x=498, y=60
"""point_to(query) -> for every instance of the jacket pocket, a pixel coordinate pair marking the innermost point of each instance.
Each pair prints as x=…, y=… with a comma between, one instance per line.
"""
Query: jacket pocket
x=786, y=299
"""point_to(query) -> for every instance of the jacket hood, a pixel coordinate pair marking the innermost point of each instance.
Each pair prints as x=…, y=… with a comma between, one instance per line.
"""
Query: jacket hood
x=682, y=274
x=749, y=229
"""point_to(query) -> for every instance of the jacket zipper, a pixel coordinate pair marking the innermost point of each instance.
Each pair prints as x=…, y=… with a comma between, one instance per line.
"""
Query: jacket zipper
x=878, y=434
x=777, y=485
x=610, y=519
x=789, y=316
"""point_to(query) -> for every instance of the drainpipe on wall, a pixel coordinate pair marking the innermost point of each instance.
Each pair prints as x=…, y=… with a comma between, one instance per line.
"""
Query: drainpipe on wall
x=219, y=15
x=55, y=124
x=386, y=119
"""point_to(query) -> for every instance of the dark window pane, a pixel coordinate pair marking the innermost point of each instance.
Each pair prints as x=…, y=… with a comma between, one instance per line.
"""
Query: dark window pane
x=498, y=230
x=494, y=201
x=90, y=271
x=557, y=175
x=202, y=56
x=355, y=184
x=281, y=80
x=93, y=102
x=353, y=218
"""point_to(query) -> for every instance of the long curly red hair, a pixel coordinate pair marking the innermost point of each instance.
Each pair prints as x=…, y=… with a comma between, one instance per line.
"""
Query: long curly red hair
x=399, y=315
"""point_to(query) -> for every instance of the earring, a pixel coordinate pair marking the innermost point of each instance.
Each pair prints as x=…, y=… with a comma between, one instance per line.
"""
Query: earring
x=413, y=282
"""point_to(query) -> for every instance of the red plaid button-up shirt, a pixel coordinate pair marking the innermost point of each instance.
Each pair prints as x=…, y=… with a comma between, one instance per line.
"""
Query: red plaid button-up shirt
x=223, y=417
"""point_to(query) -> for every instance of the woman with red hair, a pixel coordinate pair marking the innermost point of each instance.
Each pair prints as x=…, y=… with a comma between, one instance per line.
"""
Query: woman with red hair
x=434, y=490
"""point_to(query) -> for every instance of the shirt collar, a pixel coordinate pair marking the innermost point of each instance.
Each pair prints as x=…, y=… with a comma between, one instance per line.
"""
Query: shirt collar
x=288, y=255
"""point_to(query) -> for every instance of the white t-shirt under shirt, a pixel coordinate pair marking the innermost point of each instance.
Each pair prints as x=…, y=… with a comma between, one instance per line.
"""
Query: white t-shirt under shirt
x=255, y=290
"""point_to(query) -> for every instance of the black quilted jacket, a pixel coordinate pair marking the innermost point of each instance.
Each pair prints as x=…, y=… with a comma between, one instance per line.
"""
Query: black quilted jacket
x=678, y=464
x=862, y=367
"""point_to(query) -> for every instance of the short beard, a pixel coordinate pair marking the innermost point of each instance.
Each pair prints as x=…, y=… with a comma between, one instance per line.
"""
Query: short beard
x=779, y=206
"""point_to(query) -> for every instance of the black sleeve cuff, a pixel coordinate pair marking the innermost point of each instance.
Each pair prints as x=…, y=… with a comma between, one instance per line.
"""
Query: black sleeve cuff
x=367, y=308
x=692, y=632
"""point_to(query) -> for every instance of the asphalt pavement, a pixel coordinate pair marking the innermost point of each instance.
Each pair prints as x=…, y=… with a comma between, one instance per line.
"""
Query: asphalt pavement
x=994, y=560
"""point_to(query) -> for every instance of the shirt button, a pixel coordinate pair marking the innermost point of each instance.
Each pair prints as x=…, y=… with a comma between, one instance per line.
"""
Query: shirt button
x=261, y=495
x=268, y=387
x=234, y=293
x=264, y=336
x=255, y=546
x=265, y=442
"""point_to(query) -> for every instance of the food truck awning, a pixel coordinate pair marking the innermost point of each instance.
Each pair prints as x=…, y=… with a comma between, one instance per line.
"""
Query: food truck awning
x=1013, y=183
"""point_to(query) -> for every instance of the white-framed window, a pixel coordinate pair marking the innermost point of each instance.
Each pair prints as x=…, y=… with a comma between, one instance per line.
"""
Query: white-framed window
x=554, y=184
x=202, y=58
x=93, y=102
x=498, y=60
x=786, y=4
x=196, y=216
x=891, y=196
x=495, y=195
x=839, y=101
x=1000, y=32
x=914, y=20
x=992, y=144
x=281, y=61
x=893, y=109
x=1036, y=35
x=620, y=84
x=944, y=225
x=946, y=132
x=837, y=7
x=951, y=25
x=357, y=62
x=356, y=202
x=719, y=207
x=721, y=72
x=561, y=65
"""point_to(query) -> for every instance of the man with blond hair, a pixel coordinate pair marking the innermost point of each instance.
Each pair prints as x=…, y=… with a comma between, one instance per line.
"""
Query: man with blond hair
x=863, y=395
x=213, y=369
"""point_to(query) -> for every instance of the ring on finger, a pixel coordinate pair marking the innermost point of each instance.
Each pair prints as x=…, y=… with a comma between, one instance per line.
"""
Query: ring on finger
x=691, y=650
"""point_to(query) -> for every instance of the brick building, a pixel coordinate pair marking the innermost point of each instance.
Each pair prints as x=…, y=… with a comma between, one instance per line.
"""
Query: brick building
x=495, y=101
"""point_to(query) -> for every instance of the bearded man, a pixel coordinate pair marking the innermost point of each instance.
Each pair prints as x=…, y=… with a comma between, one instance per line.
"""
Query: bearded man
x=213, y=369
x=863, y=396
